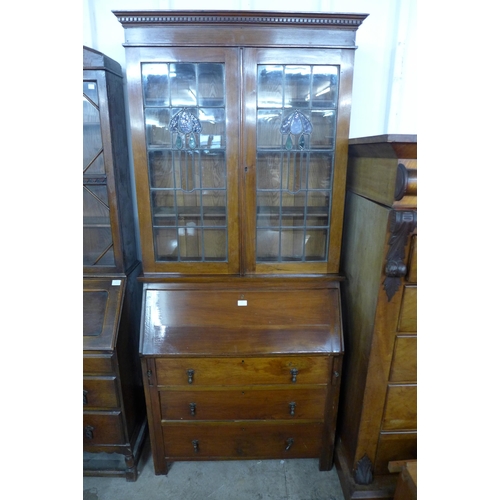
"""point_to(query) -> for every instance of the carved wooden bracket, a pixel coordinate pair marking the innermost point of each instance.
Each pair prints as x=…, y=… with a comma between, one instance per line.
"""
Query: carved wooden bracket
x=363, y=473
x=402, y=224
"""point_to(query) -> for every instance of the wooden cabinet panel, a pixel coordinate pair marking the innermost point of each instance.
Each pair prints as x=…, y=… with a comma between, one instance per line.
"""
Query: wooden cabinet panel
x=100, y=392
x=404, y=360
x=242, y=440
x=412, y=266
x=243, y=403
x=101, y=428
x=400, y=408
x=408, y=316
x=241, y=371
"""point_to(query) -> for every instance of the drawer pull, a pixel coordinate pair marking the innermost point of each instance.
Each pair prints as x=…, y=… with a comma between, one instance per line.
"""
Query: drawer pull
x=292, y=409
x=89, y=432
x=196, y=446
x=190, y=374
x=192, y=409
x=289, y=443
x=294, y=372
x=85, y=399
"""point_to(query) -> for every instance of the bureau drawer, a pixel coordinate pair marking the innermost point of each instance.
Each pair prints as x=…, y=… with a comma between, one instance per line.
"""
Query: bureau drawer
x=250, y=440
x=102, y=428
x=100, y=392
x=242, y=371
x=400, y=408
x=97, y=364
x=244, y=403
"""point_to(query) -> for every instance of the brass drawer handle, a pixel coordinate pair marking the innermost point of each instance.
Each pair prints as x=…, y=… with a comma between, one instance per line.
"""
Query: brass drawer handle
x=292, y=408
x=192, y=409
x=89, y=432
x=190, y=374
x=196, y=446
x=289, y=443
x=294, y=372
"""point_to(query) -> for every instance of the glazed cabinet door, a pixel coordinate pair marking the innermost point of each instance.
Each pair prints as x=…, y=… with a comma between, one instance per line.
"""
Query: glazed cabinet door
x=185, y=122
x=98, y=247
x=296, y=125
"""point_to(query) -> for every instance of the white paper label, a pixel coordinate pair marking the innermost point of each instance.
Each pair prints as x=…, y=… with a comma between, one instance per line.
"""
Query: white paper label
x=116, y=282
x=242, y=302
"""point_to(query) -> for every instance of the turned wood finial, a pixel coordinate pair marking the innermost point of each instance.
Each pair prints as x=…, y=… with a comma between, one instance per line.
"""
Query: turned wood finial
x=406, y=182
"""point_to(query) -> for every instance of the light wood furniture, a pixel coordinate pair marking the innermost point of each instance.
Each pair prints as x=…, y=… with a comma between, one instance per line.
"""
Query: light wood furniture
x=406, y=487
x=114, y=415
x=240, y=133
x=378, y=420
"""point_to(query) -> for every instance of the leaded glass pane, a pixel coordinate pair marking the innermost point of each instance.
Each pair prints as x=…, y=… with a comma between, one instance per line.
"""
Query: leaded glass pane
x=296, y=119
x=185, y=121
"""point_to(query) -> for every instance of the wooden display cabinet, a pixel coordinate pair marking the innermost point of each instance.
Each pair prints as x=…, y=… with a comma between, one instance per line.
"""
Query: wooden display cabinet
x=114, y=415
x=378, y=414
x=240, y=127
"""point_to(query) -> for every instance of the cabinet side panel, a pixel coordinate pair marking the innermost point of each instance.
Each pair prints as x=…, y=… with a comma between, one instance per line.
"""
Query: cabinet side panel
x=363, y=243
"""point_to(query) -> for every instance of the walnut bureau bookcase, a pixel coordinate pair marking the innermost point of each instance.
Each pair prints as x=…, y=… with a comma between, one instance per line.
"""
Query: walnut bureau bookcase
x=378, y=416
x=240, y=127
x=114, y=413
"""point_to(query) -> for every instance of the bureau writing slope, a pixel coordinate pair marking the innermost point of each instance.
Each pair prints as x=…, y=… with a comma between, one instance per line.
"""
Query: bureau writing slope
x=114, y=414
x=378, y=422
x=240, y=127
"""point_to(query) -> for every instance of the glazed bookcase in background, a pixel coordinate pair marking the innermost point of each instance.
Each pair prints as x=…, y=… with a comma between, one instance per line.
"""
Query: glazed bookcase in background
x=114, y=420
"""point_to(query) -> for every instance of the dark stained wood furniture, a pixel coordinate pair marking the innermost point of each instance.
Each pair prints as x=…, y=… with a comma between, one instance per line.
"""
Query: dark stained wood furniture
x=378, y=415
x=114, y=414
x=240, y=134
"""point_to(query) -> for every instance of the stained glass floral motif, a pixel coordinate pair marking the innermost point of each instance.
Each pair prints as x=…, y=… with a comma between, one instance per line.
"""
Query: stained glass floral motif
x=185, y=125
x=294, y=124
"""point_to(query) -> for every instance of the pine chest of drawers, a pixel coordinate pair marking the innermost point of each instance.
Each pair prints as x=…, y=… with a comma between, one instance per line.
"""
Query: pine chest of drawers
x=241, y=370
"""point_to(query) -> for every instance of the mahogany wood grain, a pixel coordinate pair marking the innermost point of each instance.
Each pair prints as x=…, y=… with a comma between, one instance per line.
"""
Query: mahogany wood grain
x=238, y=370
x=242, y=439
x=243, y=403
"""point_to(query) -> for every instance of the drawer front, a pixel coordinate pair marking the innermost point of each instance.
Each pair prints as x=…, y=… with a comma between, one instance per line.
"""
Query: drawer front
x=250, y=440
x=100, y=392
x=408, y=314
x=400, y=408
x=245, y=403
x=242, y=371
x=404, y=361
x=98, y=364
x=102, y=428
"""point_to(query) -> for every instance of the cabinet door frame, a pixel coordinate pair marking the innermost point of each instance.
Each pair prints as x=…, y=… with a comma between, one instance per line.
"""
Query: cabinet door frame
x=230, y=58
x=100, y=78
x=252, y=57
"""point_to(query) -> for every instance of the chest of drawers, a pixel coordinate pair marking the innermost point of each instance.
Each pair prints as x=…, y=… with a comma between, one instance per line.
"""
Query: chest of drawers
x=230, y=373
x=379, y=409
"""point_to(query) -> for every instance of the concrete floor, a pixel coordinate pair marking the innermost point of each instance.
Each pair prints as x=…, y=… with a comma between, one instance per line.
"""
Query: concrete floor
x=225, y=480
